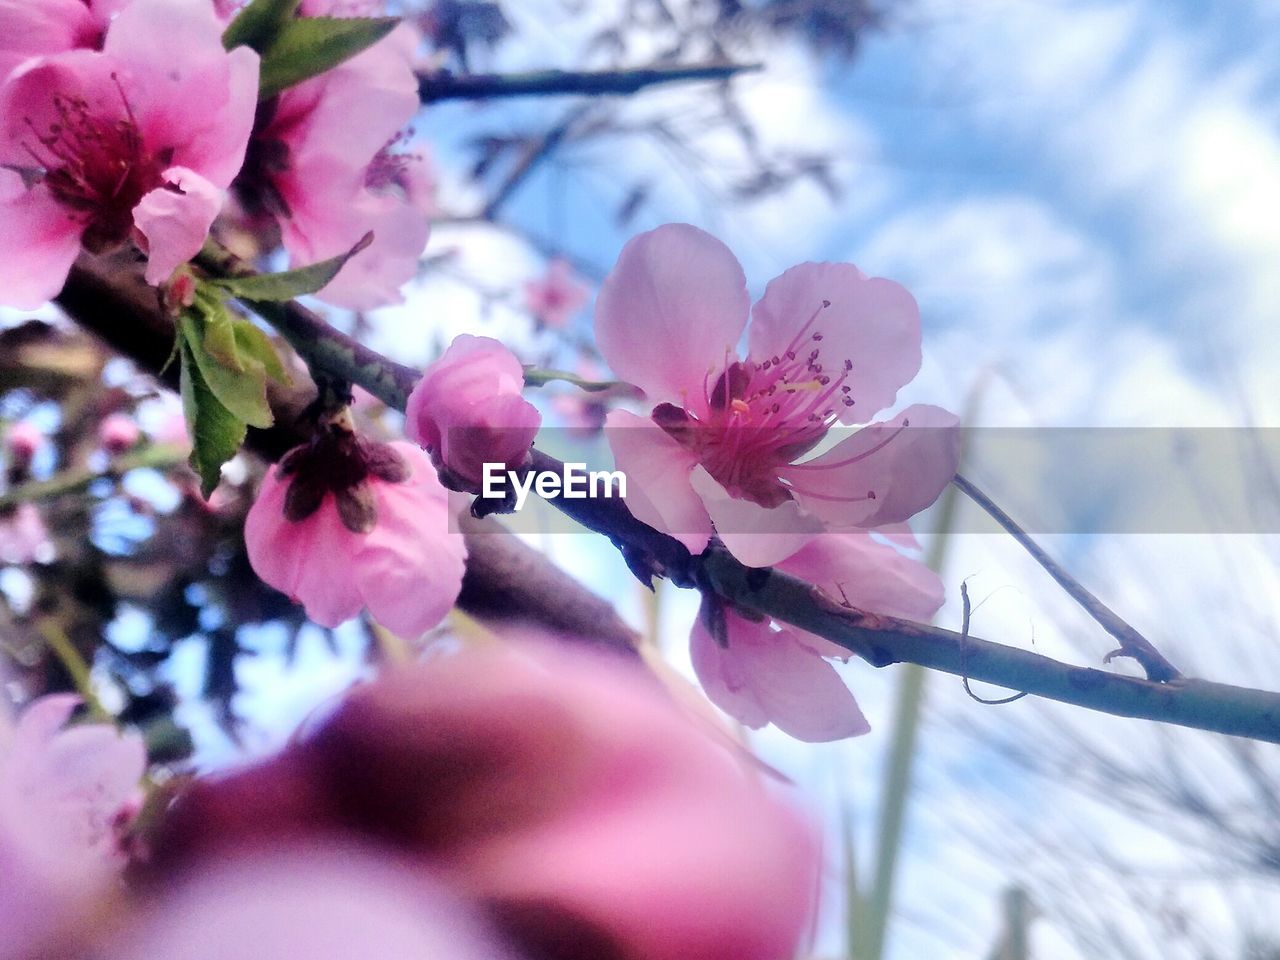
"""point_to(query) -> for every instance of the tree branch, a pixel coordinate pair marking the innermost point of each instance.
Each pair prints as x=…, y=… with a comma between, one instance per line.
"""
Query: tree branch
x=434, y=87
x=880, y=640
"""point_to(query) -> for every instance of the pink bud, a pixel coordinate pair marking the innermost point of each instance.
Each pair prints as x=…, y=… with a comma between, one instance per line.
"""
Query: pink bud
x=467, y=409
x=21, y=442
x=118, y=433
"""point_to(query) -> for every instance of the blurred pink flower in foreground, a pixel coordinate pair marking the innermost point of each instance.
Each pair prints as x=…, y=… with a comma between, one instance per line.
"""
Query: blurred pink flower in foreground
x=555, y=298
x=766, y=674
x=305, y=901
x=322, y=163
x=342, y=524
x=467, y=410
x=826, y=345
x=563, y=792
x=65, y=796
x=118, y=433
x=132, y=143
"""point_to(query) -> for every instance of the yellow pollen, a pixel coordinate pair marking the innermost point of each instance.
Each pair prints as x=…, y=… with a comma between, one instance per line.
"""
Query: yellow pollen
x=740, y=406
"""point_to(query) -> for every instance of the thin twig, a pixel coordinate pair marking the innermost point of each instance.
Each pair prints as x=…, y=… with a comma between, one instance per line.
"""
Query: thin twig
x=1132, y=643
x=434, y=87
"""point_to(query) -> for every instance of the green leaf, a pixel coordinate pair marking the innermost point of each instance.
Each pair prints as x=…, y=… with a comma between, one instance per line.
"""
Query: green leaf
x=254, y=348
x=242, y=391
x=278, y=287
x=305, y=47
x=258, y=23
x=216, y=432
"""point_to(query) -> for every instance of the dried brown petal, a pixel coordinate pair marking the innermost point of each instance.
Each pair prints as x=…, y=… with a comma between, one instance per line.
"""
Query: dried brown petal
x=358, y=508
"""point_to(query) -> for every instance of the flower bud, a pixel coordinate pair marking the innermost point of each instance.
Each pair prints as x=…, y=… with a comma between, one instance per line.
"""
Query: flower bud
x=118, y=434
x=21, y=442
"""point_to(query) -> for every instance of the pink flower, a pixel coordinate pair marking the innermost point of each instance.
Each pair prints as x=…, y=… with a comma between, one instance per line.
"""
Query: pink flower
x=562, y=790
x=118, y=434
x=467, y=410
x=64, y=797
x=132, y=143
x=24, y=538
x=32, y=28
x=22, y=441
x=555, y=298
x=343, y=524
x=321, y=902
x=322, y=164
x=826, y=345
x=777, y=674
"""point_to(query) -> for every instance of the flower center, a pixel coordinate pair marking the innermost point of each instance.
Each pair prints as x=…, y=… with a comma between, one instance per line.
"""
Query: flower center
x=763, y=414
x=96, y=166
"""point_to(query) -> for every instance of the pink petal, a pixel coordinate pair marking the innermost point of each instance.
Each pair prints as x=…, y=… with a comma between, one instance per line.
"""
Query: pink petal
x=35, y=27
x=758, y=536
x=871, y=322
x=309, y=561
x=38, y=244
x=671, y=312
x=658, y=471
x=905, y=467
x=410, y=568
x=374, y=276
x=28, y=99
x=764, y=675
x=870, y=575
x=175, y=219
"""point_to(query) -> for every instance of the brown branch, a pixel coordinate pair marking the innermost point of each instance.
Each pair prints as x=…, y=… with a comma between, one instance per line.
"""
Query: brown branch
x=506, y=579
x=440, y=85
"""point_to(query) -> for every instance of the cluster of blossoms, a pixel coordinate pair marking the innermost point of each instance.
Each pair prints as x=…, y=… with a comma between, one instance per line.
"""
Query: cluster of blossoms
x=519, y=802
x=126, y=122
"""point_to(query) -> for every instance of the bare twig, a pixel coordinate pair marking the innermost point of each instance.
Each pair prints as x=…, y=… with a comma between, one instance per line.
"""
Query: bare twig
x=434, y=87
x=1132, y=643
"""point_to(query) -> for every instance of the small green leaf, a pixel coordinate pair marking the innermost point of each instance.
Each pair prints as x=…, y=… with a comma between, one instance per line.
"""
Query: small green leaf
x=255, y=348
x=216, y=432
x=242, y=391
x=258, y=23
x=278, y=287
x=306, y=47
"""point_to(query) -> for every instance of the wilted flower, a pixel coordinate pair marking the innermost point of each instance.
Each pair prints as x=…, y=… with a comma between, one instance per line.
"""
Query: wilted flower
x=467, y=410
x=826, y=345
x=555, y=298
x=322, y=162
x=341, y=524
x=566, y=793
x=134, y=142
x=65, y=797
x=761, y=673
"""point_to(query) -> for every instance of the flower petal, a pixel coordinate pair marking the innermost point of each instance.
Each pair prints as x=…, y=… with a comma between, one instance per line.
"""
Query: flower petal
x=175, y=219
x=658, y=471
x=410, y=568
x=758, y=536
x=773, y=676
x=38, y=244
x=671, y=312
x=884, y=473
x=871, y=322
x=868, y=574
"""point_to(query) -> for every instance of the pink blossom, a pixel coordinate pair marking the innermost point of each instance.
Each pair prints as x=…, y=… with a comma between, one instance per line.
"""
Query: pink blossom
x=826, y=345
x=24, y=538
x=467, y=410
x=342, y=524
x=555, y=298
x=64, y=794
x=761, y=673
x=22, y=441
x=131, y=143
x=322, y=163
x=32, y=28
x=564, y=791
x=318, y=901
x=118, y=433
